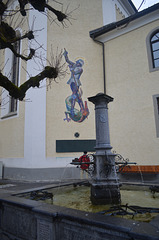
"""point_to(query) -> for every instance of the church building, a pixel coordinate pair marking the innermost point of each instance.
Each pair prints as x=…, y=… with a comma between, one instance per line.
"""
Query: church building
x=106, y=46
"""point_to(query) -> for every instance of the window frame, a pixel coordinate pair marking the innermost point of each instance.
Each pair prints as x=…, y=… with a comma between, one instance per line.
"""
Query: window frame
x=156, y=112
x=13, y=103
x=152, y=68
x=8, y=111
x=152, y=42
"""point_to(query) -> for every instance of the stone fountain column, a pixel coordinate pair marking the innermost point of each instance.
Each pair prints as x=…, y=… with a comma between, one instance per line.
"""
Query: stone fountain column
x=105, y=183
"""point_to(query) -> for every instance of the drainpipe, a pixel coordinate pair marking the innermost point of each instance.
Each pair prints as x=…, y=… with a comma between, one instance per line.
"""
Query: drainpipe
x=104, y=78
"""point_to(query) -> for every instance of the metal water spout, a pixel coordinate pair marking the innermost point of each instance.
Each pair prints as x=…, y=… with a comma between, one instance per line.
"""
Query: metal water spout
x=105, y=184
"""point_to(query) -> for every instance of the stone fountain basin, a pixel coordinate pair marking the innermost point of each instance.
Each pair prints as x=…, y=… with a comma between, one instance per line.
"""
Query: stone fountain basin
x=77, y=197
x=34, y=220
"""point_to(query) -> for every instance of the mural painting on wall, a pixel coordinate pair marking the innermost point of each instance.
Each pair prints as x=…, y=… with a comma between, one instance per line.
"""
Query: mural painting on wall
x=77, y=110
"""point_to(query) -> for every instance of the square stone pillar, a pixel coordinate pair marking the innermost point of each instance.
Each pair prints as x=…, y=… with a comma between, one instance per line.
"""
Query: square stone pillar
x=105, y=183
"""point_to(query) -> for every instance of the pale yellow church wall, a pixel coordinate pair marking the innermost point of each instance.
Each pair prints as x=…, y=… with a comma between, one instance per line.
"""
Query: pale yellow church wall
x=12, y=142
x=131, y=115
x=75, y=39
x=12, y=131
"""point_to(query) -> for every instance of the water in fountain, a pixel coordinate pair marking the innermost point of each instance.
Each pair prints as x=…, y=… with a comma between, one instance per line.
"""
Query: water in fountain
x=79, y=198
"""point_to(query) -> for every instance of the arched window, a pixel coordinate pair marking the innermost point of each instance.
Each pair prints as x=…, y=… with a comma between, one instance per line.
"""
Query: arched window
x=154, y=41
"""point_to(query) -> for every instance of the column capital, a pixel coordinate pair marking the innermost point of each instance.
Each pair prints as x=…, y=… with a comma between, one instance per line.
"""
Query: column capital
x=100, y=97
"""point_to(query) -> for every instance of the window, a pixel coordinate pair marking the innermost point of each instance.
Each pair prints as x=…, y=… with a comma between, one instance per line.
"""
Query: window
x=15, y=75
x=11, y=70
x=156, y=111
x=152, y=42
x=155, y=49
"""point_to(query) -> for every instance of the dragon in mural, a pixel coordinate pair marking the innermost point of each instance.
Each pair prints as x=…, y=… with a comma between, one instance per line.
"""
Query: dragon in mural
x=76, y=97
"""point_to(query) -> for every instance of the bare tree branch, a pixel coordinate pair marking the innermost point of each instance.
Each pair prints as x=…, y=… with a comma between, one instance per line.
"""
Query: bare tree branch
x=8, y=38
x=40, y=5
x=19, y=92
x=3, y=7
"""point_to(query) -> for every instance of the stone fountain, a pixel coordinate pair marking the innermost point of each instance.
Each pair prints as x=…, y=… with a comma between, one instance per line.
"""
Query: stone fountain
x=105, y=183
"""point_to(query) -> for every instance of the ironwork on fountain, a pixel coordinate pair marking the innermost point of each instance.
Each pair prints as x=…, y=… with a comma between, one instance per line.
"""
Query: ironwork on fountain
x=105, y=184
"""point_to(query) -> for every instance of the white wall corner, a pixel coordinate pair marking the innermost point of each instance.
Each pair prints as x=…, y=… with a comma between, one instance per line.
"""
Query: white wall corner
x=109, y=11
x=35, y=109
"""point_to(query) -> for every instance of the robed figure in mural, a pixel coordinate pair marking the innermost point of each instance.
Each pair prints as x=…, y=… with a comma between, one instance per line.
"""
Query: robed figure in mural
x=77, y=115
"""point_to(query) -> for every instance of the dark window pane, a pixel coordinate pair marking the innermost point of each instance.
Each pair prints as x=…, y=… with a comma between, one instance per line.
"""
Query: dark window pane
x=155, y=46
x=155, y=37
x=158, y=104
x=156, y=54
x=15, y=75
x=156, y=63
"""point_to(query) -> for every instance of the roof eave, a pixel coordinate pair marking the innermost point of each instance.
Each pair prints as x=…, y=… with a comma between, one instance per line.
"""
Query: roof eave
x=107, y=28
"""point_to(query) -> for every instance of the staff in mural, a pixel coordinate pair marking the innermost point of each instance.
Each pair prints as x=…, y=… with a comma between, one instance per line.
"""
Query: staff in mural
x=76, y=97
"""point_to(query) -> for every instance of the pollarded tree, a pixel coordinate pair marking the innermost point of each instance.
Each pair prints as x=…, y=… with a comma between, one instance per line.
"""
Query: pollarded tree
x=9, y=38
